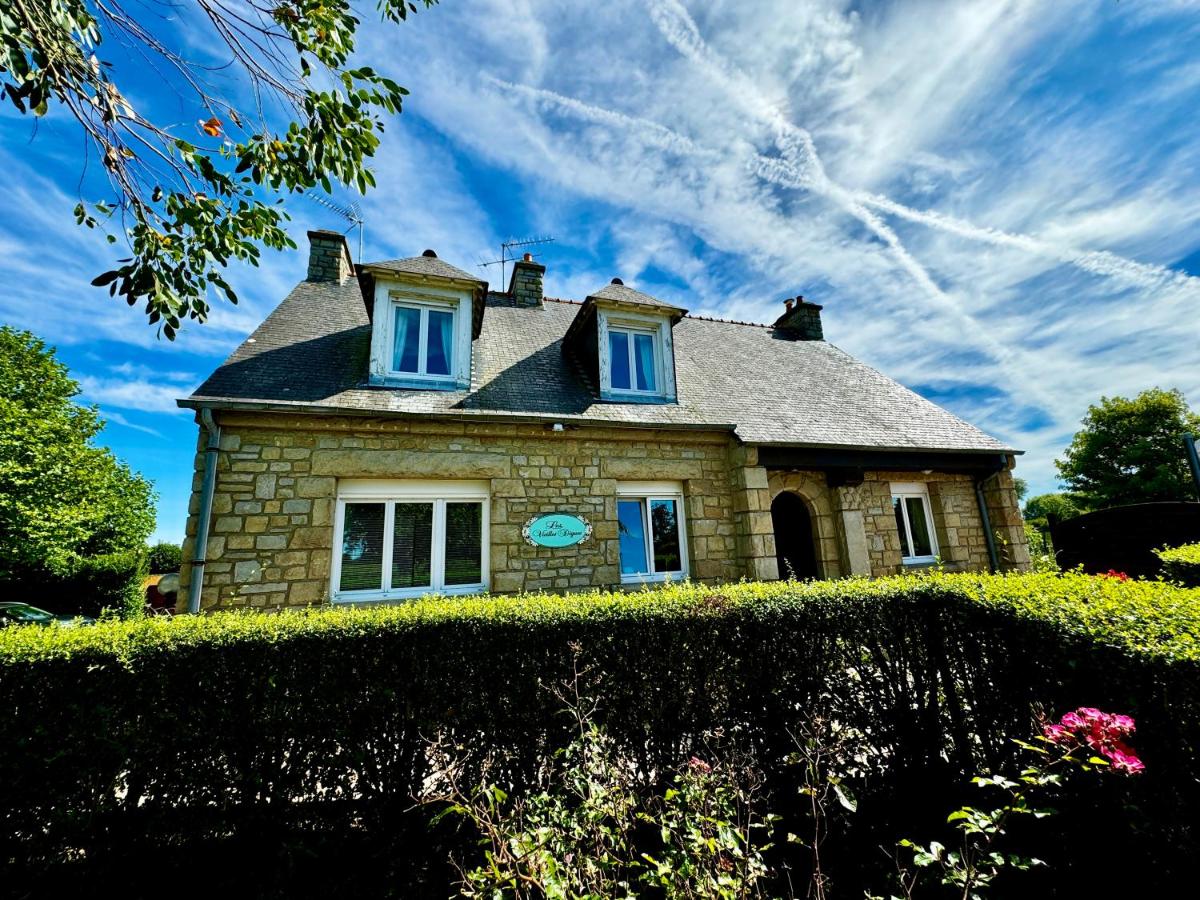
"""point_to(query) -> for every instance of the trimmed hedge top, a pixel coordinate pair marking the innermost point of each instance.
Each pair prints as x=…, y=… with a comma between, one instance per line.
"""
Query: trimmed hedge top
x=1152, y=619
x=1181, y=564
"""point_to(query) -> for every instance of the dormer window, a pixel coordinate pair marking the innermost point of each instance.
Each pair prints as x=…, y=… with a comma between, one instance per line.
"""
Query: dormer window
x=424, y=317
x=422, y=339
x=622, y=338
x=634, y=359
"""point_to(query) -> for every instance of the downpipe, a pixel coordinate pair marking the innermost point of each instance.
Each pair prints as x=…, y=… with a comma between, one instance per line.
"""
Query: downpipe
x=196, y=583
x=993, y=557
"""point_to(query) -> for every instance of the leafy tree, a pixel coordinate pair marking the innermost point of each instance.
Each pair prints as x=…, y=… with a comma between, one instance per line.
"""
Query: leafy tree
x=1045, y=507
x=279, y=109
x=164, y=557
x=1021, y=486
x=61, y=497
x=1131, y=451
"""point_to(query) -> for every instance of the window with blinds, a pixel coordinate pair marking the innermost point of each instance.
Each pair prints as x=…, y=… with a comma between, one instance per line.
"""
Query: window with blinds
x=403, y=539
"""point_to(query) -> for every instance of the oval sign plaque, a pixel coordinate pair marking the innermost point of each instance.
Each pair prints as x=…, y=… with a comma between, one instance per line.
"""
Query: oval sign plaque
x=556, y=530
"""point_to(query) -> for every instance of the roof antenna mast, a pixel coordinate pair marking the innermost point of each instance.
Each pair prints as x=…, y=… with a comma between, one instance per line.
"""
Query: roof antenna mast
x=351, y=212
x=506, y=256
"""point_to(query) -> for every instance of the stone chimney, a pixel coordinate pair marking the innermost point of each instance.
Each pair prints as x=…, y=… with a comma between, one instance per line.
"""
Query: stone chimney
x=525, y=287
x=801, y=320
x=328, y=257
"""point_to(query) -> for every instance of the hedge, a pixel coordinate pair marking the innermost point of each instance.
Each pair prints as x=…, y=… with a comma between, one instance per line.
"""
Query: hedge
x=109, y=584
x=1181, y=564
x=283, y=751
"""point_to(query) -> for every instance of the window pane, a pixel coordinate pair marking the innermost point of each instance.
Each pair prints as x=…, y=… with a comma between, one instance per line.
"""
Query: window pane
x=922, y=544
x=464, y=543
x=643, y=348
x=618, y=360
x=664, y=523
x=362, y=547
x=440, y=340
x=899, y=510
x=407, y=339
x=632, y=533
x=412, y=543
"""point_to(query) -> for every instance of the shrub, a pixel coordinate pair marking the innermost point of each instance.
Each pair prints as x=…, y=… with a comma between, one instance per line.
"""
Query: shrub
x=164, y=557
x=158, y=742
x=106, y=585
x=1181, y=564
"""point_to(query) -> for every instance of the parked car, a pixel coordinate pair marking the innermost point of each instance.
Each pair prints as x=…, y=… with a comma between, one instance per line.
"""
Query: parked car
x=12, y=613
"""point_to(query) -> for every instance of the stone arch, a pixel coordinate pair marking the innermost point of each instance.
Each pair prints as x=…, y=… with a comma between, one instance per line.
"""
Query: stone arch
x=796, y=537
x=818, y=498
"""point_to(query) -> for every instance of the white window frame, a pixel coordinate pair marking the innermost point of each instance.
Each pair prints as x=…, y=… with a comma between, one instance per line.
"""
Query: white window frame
x=390, y=492
x=649, y=491
x=903, y=491
x=392, y=293
x=630, y=331
x=424, y=307
x=631, y=323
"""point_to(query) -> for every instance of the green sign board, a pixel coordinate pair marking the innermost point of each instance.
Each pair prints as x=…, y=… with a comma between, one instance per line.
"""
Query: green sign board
x=557, y=530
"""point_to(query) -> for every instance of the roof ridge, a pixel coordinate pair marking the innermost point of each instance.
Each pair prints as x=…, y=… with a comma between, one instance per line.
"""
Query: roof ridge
x=686, y=316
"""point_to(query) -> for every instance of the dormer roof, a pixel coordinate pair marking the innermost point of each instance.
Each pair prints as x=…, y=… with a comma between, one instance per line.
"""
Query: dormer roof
x=428, y=266
x=423, y=265
x=618, y=292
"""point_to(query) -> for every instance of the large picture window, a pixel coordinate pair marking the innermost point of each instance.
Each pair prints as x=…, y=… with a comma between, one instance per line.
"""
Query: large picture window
x=422, y=340
x=397, y=539
x=914, y=521
x=650, y=530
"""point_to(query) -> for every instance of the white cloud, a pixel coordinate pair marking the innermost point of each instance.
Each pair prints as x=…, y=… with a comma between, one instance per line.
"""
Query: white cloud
x=133, y=393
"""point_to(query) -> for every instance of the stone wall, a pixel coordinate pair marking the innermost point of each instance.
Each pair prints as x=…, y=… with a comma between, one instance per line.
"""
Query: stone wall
x=272, y=525
x=271, y=541
x=855, y=529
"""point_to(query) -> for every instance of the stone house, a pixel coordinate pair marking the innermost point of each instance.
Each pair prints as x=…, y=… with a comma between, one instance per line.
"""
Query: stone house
x=395, y=428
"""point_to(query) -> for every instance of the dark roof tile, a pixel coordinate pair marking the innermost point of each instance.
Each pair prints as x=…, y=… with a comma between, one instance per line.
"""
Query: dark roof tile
x=312, y=353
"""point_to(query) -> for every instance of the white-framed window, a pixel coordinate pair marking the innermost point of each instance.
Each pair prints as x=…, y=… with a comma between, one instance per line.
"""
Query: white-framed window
x=636, y=363
x=634, y=360
x=400, y=539
x=422, y=340
x=914, y=521
x=651, y=531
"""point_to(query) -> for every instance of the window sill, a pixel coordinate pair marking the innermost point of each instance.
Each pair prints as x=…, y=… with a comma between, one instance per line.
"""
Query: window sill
x=919, y=562
x=415, y=384
x=622, y=397
x=361, y=598
x=654, y=578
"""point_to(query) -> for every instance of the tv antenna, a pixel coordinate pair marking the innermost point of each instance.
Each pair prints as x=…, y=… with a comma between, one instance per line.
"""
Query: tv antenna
x=506, y=257
x=351, y=212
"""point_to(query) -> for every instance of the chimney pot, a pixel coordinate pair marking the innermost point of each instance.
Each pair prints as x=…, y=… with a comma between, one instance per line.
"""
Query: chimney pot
x=801, y=321
x=528, y=257
x=429, y=254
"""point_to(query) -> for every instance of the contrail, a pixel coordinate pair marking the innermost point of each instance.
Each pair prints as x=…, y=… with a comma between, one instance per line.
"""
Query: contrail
x=801, y=166
x=799, y=153
x=786, y=174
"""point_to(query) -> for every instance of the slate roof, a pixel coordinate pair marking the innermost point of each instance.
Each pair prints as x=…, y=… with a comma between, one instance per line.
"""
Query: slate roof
x=425, y=265
x=311, y=355
x=622, y=294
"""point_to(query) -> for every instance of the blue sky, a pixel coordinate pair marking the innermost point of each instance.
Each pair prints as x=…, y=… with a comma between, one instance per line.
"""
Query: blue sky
x=998, y=203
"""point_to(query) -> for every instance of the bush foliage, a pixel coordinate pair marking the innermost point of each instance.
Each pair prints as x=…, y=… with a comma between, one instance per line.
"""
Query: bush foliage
x=307, y=733
x=1181, y=564
x=106, y=585
x=164, y=557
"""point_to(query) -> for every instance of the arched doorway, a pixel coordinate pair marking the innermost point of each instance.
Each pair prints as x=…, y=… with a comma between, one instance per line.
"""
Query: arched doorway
x=794, y=545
